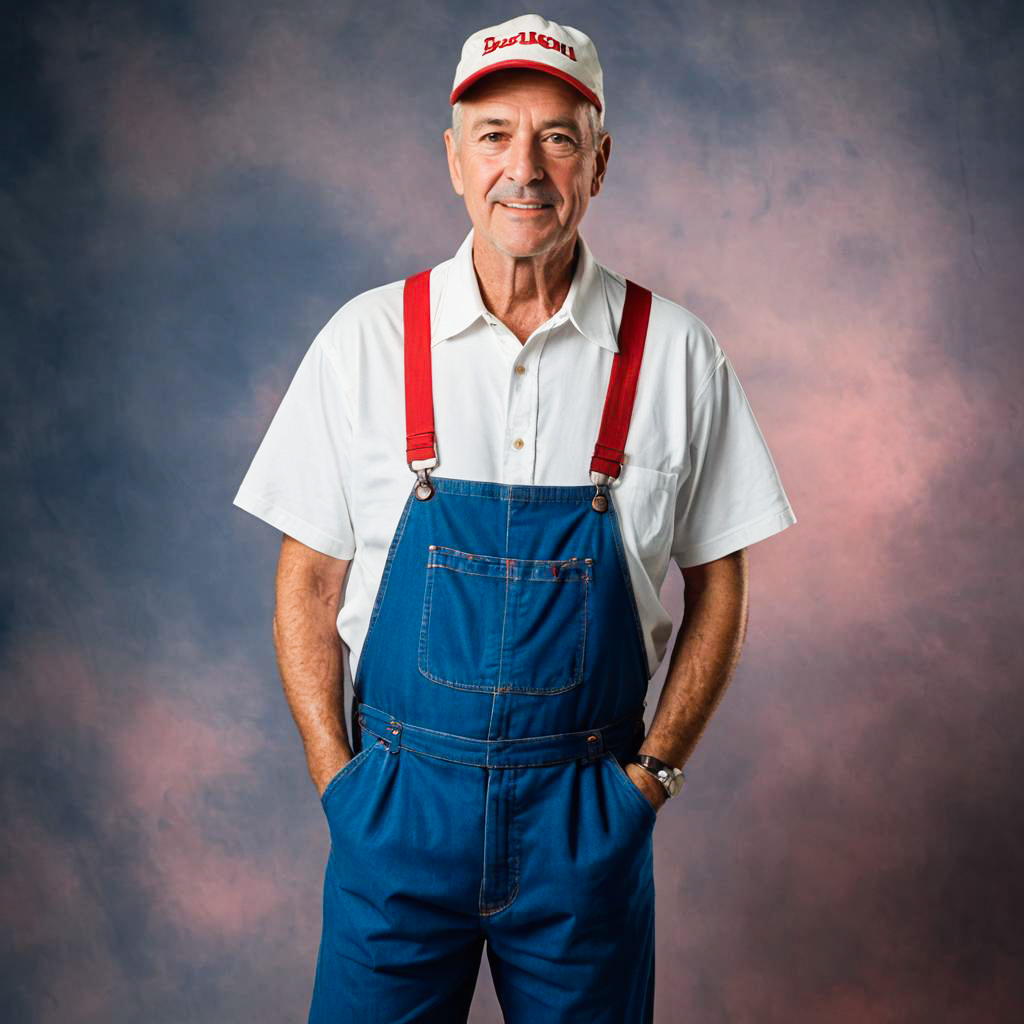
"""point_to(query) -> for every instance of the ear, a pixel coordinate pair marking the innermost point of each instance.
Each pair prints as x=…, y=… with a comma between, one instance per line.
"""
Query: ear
x=601, y=157
x=454, y=167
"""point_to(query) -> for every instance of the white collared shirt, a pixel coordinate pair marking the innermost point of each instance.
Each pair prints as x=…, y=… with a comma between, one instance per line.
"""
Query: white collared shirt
x=698, y=481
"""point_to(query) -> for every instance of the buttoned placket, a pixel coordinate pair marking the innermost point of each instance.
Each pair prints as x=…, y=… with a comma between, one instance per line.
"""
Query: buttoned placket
x=522, y=416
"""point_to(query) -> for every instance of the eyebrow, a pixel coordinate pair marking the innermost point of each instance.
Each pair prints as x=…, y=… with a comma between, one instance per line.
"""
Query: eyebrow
x=501, y=122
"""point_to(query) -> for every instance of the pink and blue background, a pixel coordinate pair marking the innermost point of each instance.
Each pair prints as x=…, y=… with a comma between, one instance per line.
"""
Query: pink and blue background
x=191, y=190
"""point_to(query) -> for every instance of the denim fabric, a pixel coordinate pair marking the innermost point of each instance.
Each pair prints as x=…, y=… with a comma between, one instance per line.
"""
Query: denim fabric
x=500, y=690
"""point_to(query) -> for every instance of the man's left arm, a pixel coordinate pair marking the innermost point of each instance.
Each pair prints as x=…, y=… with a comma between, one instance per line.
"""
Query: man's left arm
x=705, y=654
x=732, y=497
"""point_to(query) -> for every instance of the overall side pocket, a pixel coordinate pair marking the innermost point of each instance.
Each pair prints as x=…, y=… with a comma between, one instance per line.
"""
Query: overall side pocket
x=350, y=766
x=634, y=790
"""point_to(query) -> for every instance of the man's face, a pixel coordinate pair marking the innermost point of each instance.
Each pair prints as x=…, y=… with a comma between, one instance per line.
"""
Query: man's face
x=525, y=137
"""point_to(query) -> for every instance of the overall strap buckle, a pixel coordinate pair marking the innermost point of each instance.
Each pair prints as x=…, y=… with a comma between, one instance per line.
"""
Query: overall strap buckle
x=599, y=502
x=424, y=485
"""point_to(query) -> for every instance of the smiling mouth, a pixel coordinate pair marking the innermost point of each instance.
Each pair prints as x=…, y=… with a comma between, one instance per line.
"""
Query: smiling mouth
x=526, y=207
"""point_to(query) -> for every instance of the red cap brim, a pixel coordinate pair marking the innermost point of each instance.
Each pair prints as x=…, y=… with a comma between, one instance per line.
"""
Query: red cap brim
x=533, y=66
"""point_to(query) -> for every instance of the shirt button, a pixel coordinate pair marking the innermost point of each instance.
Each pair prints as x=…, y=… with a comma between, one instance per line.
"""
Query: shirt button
x=520, y=369
x=517, y=443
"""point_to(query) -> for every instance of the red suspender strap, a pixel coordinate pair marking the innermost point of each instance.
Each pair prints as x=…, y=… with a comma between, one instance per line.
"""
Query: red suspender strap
x=618, y=400
x=419, y=395
x=619, y=397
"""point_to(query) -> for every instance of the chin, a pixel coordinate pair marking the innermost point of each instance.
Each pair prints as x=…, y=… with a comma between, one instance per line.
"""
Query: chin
x=507, y=227
x=519, y=244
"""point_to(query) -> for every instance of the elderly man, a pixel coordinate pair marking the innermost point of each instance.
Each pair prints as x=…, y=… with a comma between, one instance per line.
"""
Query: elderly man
x=568, y=433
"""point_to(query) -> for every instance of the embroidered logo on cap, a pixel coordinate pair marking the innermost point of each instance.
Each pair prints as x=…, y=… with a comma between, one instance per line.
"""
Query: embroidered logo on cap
x=529, y=39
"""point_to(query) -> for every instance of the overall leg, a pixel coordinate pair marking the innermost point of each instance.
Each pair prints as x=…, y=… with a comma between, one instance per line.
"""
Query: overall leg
x=577, y=944
x=401, y=941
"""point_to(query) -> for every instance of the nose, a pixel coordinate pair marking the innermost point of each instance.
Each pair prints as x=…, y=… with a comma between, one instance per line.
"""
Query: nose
x=524, y=164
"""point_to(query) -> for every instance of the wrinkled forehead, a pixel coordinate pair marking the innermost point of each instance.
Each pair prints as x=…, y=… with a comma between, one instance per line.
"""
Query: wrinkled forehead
x=518, y=86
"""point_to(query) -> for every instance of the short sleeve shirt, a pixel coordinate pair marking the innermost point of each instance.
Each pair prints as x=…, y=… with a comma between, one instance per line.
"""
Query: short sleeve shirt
x=698, y=480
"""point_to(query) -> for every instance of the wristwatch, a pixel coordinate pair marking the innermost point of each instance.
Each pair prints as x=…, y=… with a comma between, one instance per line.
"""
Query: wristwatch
x=670, y=777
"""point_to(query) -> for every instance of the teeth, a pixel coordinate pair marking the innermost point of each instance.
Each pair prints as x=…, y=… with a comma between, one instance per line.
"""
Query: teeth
x=525, y=206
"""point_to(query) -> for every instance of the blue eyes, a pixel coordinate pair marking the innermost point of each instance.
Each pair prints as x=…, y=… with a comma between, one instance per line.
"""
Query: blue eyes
x=554, y=135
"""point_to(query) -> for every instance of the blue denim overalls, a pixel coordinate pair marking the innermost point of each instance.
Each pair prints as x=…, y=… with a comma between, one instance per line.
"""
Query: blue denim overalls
x=500, y=689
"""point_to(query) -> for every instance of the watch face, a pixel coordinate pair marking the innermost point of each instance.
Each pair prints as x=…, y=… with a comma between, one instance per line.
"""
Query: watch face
x=672, y=782
x=671, y=779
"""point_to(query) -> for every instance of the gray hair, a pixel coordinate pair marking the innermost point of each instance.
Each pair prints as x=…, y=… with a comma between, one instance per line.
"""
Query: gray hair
x=595, y=119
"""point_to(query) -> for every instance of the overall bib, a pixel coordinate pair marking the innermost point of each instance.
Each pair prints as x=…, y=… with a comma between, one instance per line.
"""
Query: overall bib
x=500, y=690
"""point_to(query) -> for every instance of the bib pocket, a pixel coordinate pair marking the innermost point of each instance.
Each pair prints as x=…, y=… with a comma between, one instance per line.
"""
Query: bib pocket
x=498, y=624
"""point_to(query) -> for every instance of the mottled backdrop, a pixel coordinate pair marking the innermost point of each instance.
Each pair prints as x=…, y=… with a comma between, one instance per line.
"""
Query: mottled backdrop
x=191, y=190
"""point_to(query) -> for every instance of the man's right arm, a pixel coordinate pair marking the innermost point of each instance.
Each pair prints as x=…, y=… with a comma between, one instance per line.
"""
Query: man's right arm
x=308, y=589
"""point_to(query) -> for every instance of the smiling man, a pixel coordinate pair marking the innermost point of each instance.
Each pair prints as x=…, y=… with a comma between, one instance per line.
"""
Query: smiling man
x=525, y=224
x=569, y=433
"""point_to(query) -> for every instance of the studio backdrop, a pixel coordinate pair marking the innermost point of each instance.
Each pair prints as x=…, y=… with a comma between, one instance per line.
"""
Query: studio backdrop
x=192, y=190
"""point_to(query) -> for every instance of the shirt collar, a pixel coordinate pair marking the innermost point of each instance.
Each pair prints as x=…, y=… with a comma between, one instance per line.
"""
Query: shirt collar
x=586, y=303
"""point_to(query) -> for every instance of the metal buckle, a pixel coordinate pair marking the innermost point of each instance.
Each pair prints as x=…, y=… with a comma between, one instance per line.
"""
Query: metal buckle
x=599, y=502
x=424, y=485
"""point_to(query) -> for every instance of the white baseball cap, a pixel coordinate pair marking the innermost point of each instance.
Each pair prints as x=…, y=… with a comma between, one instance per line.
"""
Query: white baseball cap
x=531, y=41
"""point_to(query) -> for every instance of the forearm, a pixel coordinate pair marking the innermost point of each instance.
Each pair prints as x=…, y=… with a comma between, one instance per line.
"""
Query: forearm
x=309, y=658
x=704, y=656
